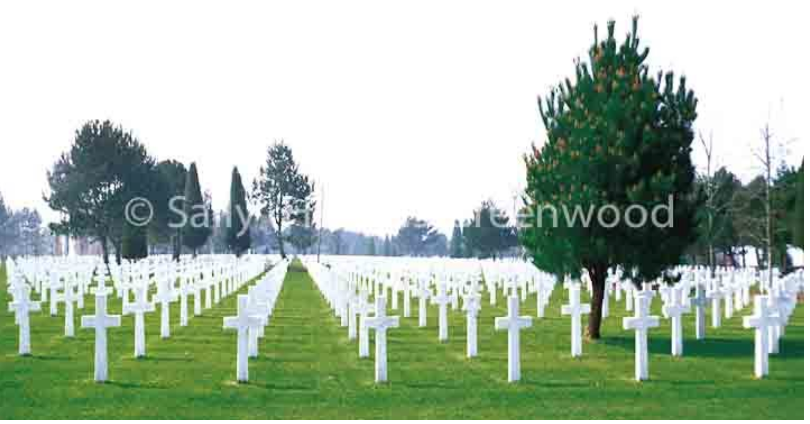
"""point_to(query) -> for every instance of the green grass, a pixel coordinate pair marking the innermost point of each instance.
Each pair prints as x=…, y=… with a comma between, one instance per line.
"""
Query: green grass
x=308, y=369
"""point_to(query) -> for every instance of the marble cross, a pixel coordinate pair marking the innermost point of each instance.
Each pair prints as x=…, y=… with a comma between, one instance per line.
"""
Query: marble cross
x=186, y=289
x=100, y=322
x=242, y=323
x=700, y=302
x=352, y=310
x=513, y=323
x=541, y=299
x=576, y=310
x=69, y=297
x=472, y=304
x=763, y=321
x=442, y=300
x=380, y=323
x=165, y=295
x=715, y=294
x=406, y=298
x=23, y=306
x=424, y=295
x=673, y=310
x=139, y=307
x=641, y=322
x=363, y=308
x=56, y=297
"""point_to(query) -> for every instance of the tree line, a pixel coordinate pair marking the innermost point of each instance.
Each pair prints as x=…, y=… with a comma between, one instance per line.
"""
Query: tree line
x=92, y=187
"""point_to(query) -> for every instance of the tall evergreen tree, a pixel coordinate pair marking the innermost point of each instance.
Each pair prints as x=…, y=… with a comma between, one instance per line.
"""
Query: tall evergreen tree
x=171, y=182
x=6, y=233
x=239, y=229
x=456, y=241
x=371, y=250
x=489, y=232
x=616, y=138
x=284, y=193
x=197, y=226
x=798, y=212
x=387, y=250
x=415, y=236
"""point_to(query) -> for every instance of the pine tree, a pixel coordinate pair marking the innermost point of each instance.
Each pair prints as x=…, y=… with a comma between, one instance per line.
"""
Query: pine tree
x=456, y=241
x=798, y=212
x=371, y=250
x=616, y=138
x=238, y=232
x=284, y=193
x=387, y=248
x=197, y=226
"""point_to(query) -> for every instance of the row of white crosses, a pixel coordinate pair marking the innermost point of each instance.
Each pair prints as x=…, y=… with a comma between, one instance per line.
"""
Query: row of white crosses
x=75, y=275
x=771, y=314
x=731, y=286
x=346, y=288
x=252, y=315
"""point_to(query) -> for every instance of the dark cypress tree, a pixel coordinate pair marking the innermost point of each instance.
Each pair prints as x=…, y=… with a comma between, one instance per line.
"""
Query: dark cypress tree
x=798, y=212
x=197, y=227
x=456, y=242
x=371, y=250
x=387, y=249
x=238, y=232
x=617, y=138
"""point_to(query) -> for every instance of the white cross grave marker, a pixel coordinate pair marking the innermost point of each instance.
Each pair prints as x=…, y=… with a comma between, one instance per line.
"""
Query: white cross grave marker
x=640, y=322
x=139, y=307
x=380, y=323
x=442, y=300
x=242, y=323
x=673, y=310
x=472, y=304
x=100, y=322
x=575, y=309
x=513, y=323
x=763, y=321
x=23, y=306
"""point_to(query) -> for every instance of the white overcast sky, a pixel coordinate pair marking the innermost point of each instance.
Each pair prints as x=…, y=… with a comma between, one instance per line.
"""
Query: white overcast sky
x=406, y=108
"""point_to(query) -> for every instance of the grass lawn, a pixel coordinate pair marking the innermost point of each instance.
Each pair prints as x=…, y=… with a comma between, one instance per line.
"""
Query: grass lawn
x=309, y=369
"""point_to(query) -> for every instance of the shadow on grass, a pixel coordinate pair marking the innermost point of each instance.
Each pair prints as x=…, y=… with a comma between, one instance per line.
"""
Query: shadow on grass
x=707, y=348
x=158, y=358
x=283, y=387
x=49, y=358
x=131, y=385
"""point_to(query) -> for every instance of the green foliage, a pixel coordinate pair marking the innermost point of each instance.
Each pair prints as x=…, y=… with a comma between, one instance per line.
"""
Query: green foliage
x=415, y=236
x=488, y=233
x=388, y=249
x=798, y=211
x=716, y=215
x=618, y=137
x=285, y=194
x=456, y=241
x=238, y=232
x=785, y=204
x=91, y=184
x=371, y=250
x=170, y=184
x=197, y=227
x=301, y=235
x=134, y=245
x=6, y=231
